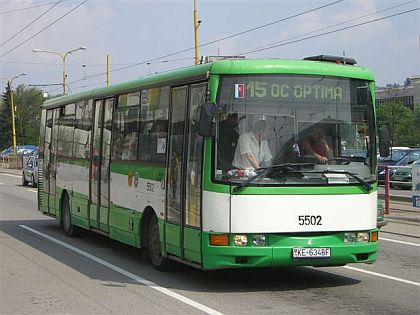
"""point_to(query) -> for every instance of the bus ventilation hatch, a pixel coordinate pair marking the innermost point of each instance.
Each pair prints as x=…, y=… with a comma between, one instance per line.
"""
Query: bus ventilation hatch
x=335, y=59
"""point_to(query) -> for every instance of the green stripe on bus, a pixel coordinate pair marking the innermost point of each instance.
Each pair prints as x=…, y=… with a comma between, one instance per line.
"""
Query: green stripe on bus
x=156, y=173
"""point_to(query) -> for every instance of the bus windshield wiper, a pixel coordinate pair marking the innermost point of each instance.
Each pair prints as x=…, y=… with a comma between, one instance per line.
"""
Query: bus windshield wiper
x=287, y=167
x=352, y=175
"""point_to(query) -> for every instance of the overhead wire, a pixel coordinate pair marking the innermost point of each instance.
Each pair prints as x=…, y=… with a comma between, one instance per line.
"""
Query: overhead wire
x=331, y=32
x=331, y=26
x=269, y=24
x=86, y=64
x=98, y=75
x=49, y=25
x=24, y=28
x=272, y=46
x=214, y=41
x=27, y=8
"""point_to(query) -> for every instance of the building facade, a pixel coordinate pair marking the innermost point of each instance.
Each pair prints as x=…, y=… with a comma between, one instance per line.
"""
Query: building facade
x=408, y=94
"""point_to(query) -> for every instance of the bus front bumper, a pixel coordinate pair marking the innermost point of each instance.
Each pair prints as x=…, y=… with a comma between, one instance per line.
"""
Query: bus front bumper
x=279, y=252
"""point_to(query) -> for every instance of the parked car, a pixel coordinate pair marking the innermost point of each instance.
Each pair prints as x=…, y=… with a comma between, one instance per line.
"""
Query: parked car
x=28, y=149
x=403, y=176
x=396, y=158
x=30, y=172
x=7, y=152
x=380, y=220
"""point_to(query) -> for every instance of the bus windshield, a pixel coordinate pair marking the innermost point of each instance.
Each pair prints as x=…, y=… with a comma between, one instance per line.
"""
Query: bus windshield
x=321, y=128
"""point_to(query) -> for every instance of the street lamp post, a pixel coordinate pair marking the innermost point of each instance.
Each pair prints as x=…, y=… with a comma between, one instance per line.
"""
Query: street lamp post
x=63, y=57
x=196, y=26
x=10, y=82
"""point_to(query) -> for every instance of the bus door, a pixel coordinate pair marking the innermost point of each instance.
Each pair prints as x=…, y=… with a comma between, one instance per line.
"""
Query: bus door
x=100, y=165
x=183, y=228
x=46, y=162
x=50, y=155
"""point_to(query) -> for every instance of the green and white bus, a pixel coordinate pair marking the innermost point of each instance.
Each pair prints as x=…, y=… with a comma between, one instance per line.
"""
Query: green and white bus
x=150, y=163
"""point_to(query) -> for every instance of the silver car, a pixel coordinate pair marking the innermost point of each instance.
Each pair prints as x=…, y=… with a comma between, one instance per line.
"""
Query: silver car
x=30, y=172
x=403, y=176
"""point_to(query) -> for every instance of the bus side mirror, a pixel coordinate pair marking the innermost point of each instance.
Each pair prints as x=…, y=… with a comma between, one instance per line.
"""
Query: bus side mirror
x=207, y=120
x=384, y=142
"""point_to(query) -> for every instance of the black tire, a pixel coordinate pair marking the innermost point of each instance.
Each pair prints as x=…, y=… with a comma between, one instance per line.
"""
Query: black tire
x=154, y=246
x=24, y=181
x=34, y=184
x=68, y=227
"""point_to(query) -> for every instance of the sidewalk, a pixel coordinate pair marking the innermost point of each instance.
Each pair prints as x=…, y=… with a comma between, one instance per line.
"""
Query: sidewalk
x=403, y=219
x=10, y=170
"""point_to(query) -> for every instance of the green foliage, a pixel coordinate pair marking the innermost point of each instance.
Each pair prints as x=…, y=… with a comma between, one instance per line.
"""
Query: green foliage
x=403, y=124
x=27, y=101
x=5, y=121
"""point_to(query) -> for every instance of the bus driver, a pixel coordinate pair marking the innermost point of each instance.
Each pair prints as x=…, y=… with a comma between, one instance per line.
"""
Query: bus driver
x=252, y=150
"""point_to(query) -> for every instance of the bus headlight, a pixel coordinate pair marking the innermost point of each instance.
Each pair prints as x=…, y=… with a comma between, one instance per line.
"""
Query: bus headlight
x=362, y=237
x=240, y=240
x=349, y=237
x=258, y=240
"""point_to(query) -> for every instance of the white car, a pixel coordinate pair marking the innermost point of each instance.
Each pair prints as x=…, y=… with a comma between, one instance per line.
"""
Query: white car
x=30, y=172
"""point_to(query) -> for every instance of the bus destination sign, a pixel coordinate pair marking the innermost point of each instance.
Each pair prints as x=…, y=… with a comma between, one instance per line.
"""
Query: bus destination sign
x=289, y=91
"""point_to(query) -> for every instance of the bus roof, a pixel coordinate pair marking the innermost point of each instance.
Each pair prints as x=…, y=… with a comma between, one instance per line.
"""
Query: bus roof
x=222, y=67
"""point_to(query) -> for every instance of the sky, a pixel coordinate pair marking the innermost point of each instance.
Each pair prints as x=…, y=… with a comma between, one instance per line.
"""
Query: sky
x=144, y=37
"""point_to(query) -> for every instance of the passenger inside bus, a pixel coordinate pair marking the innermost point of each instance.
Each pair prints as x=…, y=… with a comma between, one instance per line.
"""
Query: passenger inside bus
x=252, y=151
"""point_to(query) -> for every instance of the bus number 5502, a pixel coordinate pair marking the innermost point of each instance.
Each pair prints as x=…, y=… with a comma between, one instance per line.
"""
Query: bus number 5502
x=310, y=220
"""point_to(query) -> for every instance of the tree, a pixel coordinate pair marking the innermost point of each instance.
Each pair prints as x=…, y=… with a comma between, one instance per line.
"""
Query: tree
x=416, y=141
x=6, y=121
x=28, y=103
x=401, y=122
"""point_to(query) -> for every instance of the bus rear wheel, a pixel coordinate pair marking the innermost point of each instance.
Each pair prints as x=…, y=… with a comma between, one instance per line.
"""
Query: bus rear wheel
x=68, y=227
x=154, y=246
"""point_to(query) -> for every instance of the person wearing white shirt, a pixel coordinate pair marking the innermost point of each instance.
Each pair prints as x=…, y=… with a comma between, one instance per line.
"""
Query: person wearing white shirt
x=252, y=151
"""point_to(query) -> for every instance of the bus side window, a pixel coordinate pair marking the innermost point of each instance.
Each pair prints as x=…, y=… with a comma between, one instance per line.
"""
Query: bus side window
x=125, y=130
x=82, y=129
x=154, y=125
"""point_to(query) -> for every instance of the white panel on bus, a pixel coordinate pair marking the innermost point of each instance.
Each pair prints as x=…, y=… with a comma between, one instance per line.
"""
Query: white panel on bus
x=133, y=192
x=302, y=213
x=216, y=208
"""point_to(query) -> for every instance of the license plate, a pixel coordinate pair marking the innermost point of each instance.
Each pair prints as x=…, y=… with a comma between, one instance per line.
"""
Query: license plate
x=301, y=253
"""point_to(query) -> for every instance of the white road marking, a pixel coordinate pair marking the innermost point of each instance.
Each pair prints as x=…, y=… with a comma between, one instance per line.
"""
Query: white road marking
x=130, y=275
x=2, y=183
x=32, y=190
x=11, y=175
x=396, y=241
x=383, y=276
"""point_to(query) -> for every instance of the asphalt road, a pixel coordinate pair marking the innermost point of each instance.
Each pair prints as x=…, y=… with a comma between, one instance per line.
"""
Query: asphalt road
x=45, y=272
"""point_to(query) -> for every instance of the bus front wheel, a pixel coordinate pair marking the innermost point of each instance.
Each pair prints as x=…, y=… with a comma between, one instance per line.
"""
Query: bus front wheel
x=154, y=246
